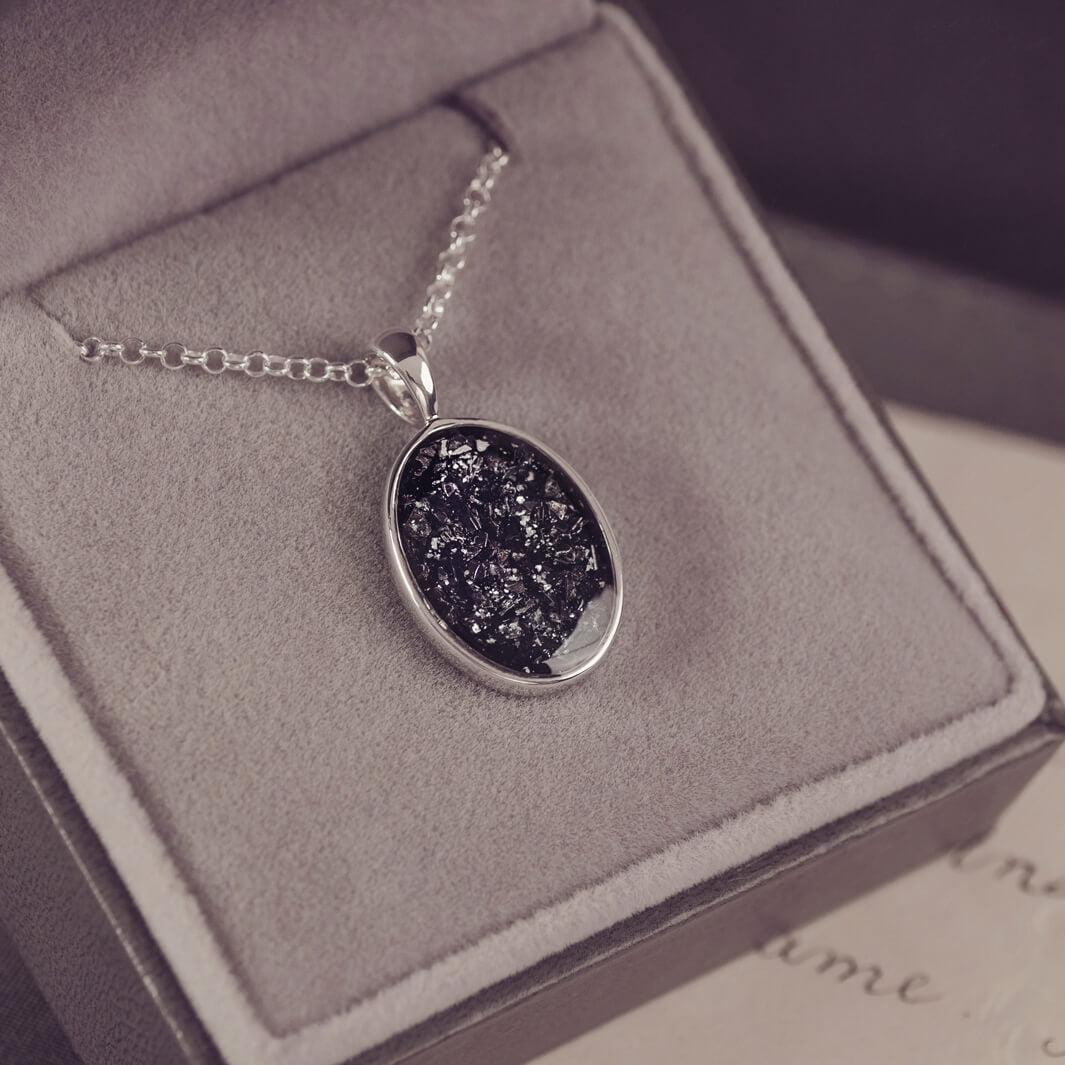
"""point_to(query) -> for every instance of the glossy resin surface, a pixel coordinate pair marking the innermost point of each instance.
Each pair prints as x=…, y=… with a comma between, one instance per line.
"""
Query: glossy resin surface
x=504, y=553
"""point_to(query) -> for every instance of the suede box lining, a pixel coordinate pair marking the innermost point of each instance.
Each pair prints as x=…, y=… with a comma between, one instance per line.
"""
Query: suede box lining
x=328, y=848
x=119, y=116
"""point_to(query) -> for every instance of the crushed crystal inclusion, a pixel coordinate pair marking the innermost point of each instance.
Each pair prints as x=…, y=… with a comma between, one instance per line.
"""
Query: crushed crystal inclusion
x=503, y=545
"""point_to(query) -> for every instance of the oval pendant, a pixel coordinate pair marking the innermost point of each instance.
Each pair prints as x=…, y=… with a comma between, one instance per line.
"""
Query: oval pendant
x=502, y=554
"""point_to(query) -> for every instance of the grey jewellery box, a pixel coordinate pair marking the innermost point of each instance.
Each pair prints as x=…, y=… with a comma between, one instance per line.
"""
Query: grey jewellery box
x=248, y=812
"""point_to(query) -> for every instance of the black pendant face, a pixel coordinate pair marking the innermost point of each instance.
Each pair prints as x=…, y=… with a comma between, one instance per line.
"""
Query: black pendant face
x=503, y=554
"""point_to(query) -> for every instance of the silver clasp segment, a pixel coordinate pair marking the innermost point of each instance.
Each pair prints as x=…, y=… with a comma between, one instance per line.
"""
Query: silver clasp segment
x=405, y=383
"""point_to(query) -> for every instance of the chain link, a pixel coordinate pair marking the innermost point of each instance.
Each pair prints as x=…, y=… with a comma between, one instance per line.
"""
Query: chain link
x=452, y=259
x=359, y=372
x=174, y=356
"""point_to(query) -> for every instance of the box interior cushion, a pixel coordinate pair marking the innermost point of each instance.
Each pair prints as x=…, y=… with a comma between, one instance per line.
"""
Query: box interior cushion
x=118, y=115
x=331, y=832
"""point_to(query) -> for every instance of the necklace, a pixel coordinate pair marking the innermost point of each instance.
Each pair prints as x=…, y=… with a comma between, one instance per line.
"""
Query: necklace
x=496, y=545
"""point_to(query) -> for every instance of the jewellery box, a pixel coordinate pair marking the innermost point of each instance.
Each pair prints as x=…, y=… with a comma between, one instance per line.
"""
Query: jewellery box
x=934, y=262
x=247, y=814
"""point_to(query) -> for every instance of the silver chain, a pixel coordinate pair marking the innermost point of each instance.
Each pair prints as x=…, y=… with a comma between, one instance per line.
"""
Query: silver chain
x=359, y=372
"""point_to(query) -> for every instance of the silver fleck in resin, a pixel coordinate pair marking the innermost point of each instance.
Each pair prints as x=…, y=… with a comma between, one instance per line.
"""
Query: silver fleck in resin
x=503, y=554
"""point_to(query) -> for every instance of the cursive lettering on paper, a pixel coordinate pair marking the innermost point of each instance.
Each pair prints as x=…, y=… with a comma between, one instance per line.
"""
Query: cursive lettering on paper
x=911, y=990
x=1023, y=873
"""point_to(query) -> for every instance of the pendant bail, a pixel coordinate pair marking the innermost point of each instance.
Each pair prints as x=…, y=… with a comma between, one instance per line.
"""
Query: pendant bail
x=405, y=382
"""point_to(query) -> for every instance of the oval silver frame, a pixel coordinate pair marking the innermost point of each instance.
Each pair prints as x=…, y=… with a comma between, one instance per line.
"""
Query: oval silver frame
x=435, y=628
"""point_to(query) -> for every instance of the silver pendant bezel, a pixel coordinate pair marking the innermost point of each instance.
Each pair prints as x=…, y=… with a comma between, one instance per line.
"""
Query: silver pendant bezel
x=435, y=628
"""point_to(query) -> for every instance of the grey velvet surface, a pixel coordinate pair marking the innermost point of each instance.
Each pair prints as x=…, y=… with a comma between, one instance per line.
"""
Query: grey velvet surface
x=203, y=555
x=118, y=115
